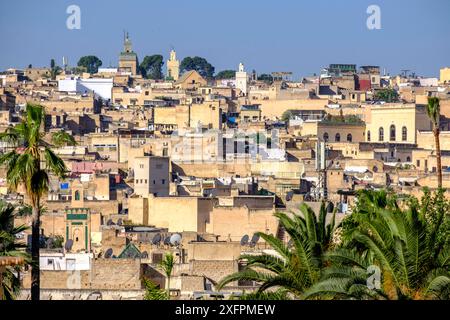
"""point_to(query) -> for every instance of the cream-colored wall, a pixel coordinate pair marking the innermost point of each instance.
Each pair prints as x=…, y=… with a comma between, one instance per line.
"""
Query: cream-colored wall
x=425, y=140
x=274, y=108
x=234, y=222
x=408, y=115
x=444, y=75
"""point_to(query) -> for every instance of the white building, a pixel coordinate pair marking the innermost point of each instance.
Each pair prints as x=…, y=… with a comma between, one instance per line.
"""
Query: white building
x=241, y=79
x=102, y=87
x=68, y=261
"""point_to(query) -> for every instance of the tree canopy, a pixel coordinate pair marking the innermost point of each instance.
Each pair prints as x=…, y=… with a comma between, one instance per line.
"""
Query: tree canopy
x=225, y=74
x=91, y=63
x=151, y=67
x=199, y=64
x=387, y=95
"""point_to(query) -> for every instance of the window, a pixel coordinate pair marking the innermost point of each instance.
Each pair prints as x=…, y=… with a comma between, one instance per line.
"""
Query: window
x=404, y=134
x=337, y=138
x=408, y=159
x=154, y=181
x=368, y=135
x=349, y=137
x=381, y=134
x=77, y=195
x=418, y=163
x=392, y=133
x=325, y=136
x=141, y=166
x=163, y=181
x=145, y=180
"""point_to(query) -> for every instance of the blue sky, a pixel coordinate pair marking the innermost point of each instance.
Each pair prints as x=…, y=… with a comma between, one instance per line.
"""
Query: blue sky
x=277, y=35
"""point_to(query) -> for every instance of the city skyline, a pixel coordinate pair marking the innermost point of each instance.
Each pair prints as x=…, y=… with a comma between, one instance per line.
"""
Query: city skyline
x=286, y=36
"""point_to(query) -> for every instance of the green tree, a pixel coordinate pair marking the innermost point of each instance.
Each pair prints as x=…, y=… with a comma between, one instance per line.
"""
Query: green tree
x=433, y=111
x=10, y=247
x=295, y=266
x=199, y=64
x=226, y=74
x=90, y=63
x=266, y=78
x=151, y=67
x=166, y=265
x=386, y=95
x=62, y=138
x=54, y=69
x=23, y=165
x=400, y=241
x=287, y=115
x=153, y=292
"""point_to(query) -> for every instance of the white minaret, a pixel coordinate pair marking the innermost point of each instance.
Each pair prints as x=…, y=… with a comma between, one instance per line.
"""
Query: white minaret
x=241, y=79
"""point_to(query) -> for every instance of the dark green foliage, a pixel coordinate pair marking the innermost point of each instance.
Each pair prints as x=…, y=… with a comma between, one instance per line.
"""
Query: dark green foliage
x=153, y=292
x=10, y=247
x=151, y=67
x=226, y=74
x=90, y=63
x=386, y=95
x=199, y=64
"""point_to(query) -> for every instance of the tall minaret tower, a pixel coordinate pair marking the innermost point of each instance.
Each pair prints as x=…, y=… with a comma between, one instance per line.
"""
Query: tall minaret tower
x=173, y=66
x=241, y=79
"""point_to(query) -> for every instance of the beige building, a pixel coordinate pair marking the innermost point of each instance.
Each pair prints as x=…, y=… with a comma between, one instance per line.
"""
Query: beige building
x=173, y=66
x=395, y=122
x=128, y=60
x=151, y=176
x=444, y=76
x=190, y=80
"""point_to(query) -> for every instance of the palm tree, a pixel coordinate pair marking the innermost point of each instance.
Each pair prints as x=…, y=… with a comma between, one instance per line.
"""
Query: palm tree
x=295, y=266
x=167, y=265
x=10, y=247
x=24, y=168
x=402, y=244
x=433, y=111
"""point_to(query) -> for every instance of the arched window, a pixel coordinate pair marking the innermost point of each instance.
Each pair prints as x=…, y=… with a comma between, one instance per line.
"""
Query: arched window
x=392, y=133
x=325, y=136
x=381, y=134
x=349, y=137
x=368, y=135
x=404, y=134
x=408, y=159
x=77, y=195
x=337, y=138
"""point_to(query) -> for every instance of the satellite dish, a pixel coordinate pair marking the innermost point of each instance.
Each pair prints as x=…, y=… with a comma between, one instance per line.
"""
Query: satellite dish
x=175, y=239
x=119, y=222
x=156, y=239
x=167, y=240
x=108, y=253
x=110, y=222
x=254, y=240
x=68, y=245
x=244, y=240
x=144, y=255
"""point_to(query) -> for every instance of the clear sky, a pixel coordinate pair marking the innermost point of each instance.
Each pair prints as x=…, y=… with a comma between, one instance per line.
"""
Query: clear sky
x=276, y=35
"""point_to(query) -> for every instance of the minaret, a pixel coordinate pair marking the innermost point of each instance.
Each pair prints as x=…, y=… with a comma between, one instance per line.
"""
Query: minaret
x=241, y=79
x=173, y=66
x=128, y=61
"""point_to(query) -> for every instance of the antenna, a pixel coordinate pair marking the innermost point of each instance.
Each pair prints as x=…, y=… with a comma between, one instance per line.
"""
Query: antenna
x=68, y=245
x=254, y=240
x=119, y=222
x=156, y=239
x=244, y=240
x=175, y=239
x=108, y=253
